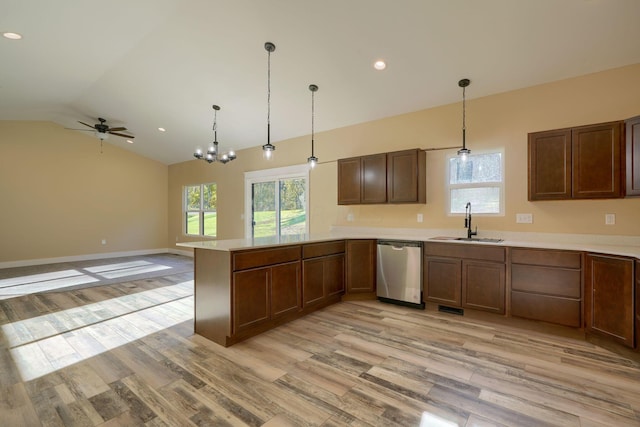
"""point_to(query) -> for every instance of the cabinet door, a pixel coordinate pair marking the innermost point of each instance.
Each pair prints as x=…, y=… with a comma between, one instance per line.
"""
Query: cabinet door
x=374, y=179
x=633, y=156
x=609, y=297
x=349, y=176
x=443, y=280
x=550, y=165
x=361, y=266
x=333, y=272
x=406, y=176
x=285, y=289
x=637, y=325
x=250, y=298
x=597, y=162
x=483, y=286
x=312, y=281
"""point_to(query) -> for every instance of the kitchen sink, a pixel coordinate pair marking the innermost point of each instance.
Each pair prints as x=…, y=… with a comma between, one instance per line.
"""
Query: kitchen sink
x=479, y=239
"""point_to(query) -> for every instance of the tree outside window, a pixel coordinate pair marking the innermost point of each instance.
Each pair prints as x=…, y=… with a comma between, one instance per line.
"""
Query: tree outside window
x=201, y=209
x=479, y=180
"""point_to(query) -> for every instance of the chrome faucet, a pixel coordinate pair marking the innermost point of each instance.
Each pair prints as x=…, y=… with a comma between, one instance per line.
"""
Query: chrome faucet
x=467, y=222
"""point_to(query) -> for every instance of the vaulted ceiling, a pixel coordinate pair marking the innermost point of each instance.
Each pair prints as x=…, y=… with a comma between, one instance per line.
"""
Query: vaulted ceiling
x=146, y=64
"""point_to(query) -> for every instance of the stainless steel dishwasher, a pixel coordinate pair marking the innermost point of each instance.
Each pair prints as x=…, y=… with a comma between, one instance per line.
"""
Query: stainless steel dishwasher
x=399, y=275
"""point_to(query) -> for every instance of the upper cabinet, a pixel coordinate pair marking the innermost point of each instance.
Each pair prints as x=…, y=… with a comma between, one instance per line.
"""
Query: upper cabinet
x=406, y=180
x=577, y=163
x=398, y=177
x=633, y=156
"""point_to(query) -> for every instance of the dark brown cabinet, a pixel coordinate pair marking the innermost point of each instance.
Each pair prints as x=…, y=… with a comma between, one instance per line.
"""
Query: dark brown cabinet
x=465, y=276
x=398, y=177
x=442, y=279
x=361, y=266
x=637, y=290
x=406, y=180
x=265, y=286
x=609, y=299
x=323, y=272
x=546, y=285
x=584, y=162
x=633, y=156
x=263, y=294
x=362, y=180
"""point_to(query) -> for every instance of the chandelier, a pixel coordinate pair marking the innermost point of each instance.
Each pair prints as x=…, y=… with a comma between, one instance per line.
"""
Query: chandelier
x=213, y=153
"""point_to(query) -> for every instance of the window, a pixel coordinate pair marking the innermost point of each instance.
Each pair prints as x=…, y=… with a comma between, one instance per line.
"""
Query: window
x=478, y=180
x=200, y=203
x=276, y=202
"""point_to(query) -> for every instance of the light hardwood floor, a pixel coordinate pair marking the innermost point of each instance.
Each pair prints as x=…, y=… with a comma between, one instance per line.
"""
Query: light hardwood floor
x=124, y=354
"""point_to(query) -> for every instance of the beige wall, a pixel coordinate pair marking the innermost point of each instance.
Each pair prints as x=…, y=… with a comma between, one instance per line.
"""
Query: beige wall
x=494, y=122
x=60, y=197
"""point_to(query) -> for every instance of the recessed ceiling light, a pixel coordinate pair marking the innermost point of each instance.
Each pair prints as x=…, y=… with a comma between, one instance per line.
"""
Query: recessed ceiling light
x=129, y=141
x=162, y=129
x=380, y=65
x=12, y=36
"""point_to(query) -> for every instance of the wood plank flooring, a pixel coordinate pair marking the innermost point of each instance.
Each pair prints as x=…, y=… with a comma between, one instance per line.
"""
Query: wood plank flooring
x=124, y=354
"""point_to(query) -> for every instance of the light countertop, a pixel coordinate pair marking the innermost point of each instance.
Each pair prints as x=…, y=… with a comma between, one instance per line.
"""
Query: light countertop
x=604, y=244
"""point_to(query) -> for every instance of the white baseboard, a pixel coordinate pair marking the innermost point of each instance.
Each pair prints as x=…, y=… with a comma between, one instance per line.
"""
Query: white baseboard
x=89, y=257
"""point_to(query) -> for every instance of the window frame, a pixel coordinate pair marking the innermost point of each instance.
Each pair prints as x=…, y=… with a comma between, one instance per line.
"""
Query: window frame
x=201, y=211
x=266, y=175
x=500, y=185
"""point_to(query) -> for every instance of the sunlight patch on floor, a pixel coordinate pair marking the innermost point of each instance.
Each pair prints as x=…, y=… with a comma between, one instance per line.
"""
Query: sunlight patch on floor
x=50, y=342
x=26, y=285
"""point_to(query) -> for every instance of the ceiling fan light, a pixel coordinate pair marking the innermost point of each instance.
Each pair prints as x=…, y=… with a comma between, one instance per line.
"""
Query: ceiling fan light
x=102, y=136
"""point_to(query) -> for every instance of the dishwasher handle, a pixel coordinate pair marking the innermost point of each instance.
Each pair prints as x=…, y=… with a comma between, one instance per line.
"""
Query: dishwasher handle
x=398, y=245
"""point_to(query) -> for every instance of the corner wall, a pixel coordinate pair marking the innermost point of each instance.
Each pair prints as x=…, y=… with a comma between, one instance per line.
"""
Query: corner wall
x=60, y=197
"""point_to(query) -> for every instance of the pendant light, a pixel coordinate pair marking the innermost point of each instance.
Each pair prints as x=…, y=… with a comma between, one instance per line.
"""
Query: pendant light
x=268, y=148
x=313, y=160
x=464, y=151
x=213, y=152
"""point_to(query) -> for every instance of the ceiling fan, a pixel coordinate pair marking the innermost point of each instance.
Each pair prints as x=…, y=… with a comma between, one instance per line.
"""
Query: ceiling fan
x=103, y=130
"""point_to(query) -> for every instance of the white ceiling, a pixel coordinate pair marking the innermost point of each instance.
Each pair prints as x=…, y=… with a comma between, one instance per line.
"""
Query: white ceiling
x=150, y=63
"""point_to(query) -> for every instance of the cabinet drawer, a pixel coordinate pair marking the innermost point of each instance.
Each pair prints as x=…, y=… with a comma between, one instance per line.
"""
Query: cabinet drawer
x=546, y=280
x=466, y=251
x=562, y=311
x=263, y=257
x=313, y=250
x=546, y=257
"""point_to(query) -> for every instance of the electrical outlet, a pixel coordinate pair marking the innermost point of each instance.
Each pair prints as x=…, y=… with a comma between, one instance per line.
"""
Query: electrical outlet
x=420, y=218
x=524, y=218
x=350, y=217
x=104, y=241
x=609, y=219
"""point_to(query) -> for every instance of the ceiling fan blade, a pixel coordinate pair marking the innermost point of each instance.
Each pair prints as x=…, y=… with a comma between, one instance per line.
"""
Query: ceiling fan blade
x=117, y=129
x=86, y=124
x=121, y=134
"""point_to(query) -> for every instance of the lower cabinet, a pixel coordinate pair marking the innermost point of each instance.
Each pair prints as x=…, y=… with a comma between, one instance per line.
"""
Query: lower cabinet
x=465, y=276
x=361, y=266
x=609, y=297
x=637, y=325
x=262, y=294
x=323, y=272
x=546, y=285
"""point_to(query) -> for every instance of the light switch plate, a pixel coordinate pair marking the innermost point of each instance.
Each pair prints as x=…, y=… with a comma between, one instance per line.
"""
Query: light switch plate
x=524, y=218
x=420, y=217
x=350, y=217
x=609, y=219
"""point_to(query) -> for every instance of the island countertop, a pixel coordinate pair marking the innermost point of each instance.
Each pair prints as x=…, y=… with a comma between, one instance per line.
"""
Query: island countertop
x=612, y=245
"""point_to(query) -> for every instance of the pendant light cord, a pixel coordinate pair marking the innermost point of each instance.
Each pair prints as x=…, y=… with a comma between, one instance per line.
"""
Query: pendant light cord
x=269, y=98
x=464, y=117
x=313, y=113
x=215, y=125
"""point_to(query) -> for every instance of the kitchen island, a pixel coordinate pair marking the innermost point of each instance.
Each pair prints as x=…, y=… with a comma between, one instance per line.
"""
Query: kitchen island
x=244, y=287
